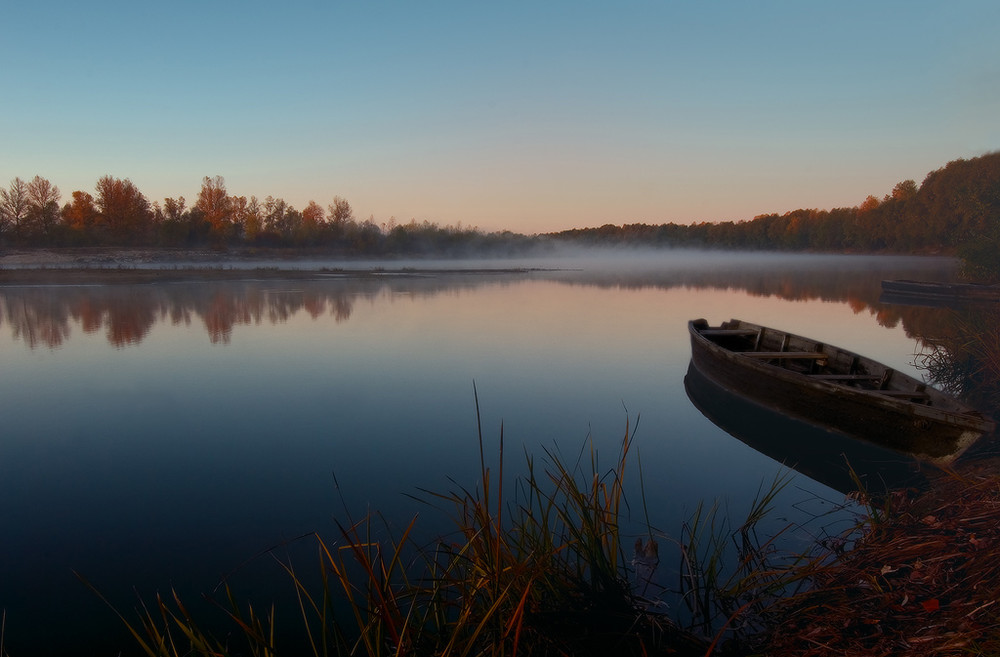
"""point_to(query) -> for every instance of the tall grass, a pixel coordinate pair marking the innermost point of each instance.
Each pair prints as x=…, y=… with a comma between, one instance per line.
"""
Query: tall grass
x=538, y=567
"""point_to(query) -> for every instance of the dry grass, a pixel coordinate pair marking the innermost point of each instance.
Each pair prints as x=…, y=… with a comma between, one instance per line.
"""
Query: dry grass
x=922, y=580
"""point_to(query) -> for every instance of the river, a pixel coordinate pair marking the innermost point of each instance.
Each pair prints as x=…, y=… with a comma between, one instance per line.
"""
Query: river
x=158, y=436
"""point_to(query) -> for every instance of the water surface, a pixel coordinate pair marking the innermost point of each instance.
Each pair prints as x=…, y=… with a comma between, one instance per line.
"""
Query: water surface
x=157, y=436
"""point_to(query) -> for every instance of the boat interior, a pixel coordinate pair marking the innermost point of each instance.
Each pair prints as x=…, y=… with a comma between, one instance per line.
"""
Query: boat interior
x=813, y=359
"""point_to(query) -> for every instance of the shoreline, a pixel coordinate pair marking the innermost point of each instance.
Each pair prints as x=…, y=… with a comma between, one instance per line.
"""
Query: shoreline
x=109, y=266
x=74, y=276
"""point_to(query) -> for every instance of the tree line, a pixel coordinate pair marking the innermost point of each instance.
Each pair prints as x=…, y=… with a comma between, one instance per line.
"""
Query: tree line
x=956, y=209
x=119, y=214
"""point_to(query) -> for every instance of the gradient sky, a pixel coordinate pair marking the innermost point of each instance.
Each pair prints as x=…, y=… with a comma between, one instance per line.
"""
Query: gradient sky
x=530, y=116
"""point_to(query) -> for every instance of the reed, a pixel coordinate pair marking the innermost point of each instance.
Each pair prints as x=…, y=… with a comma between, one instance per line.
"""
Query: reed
x=538, y=567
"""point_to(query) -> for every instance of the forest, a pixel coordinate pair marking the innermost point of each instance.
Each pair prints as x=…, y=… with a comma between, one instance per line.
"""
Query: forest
x=955, y=210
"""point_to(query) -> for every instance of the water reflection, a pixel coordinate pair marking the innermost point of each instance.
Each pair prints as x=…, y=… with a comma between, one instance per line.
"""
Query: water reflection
x=835, y=460
x=43, y=316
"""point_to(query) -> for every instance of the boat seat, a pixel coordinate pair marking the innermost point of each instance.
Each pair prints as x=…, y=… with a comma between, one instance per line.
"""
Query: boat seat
x=726, y=332
x=911, y=394
x=846, y=377
x=768, y=355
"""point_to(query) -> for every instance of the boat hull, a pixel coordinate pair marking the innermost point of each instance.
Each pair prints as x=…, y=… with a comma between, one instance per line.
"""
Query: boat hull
x=930, y=433
x=822, y=454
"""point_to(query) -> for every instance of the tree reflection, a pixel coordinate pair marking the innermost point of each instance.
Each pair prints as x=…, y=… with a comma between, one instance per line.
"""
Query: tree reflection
x=42, y=316
x=128, y=318
x=37, y=324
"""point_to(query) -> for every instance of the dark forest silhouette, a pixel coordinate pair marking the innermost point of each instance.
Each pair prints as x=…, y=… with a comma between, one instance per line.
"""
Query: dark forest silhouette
x=956, y=210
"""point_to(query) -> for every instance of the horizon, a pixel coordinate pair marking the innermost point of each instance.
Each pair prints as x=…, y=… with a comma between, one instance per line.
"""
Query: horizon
x=523, y=118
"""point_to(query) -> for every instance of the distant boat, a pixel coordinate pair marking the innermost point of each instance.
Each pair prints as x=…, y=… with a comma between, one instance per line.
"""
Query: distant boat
x=941, y=291
x=835, y=389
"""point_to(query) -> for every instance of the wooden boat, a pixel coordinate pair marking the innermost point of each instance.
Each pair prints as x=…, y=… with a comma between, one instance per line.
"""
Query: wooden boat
x=945, y=291
x=835, y=388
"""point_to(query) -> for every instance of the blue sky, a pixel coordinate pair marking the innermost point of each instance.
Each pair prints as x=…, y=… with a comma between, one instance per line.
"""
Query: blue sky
x=531, y=116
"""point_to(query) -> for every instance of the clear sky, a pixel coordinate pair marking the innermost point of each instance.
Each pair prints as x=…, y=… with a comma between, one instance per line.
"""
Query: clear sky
x=531, y=116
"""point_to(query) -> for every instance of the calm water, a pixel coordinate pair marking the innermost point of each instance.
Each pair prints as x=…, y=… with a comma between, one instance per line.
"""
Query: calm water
x=158, y=436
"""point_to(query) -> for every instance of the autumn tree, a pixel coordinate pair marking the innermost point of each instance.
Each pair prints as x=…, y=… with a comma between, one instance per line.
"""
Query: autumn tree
x=248, y=215
x=14, y=208
x=313, y=222
x=904, y=191
x=216, y=207
x=313, y=214
x=80, y=214
x=123, y=208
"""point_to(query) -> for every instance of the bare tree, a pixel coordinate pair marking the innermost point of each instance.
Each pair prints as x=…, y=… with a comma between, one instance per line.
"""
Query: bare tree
x=43, y=206
x=14, y=207
x=275, y=212
x=340, y=211
x=173, y=208
x=248, y=216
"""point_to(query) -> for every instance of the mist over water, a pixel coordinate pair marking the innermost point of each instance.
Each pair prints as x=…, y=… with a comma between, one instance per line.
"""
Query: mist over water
x=158, y=436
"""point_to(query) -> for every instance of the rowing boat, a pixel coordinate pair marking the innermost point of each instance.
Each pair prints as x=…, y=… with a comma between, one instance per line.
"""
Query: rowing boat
x=836, y=389
x=941, y=291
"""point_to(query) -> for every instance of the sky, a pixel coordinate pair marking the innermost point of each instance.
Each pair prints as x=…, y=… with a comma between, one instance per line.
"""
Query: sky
x=525, y=116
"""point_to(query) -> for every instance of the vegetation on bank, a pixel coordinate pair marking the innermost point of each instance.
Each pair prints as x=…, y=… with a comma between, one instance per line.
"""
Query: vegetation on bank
x=956, y=209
